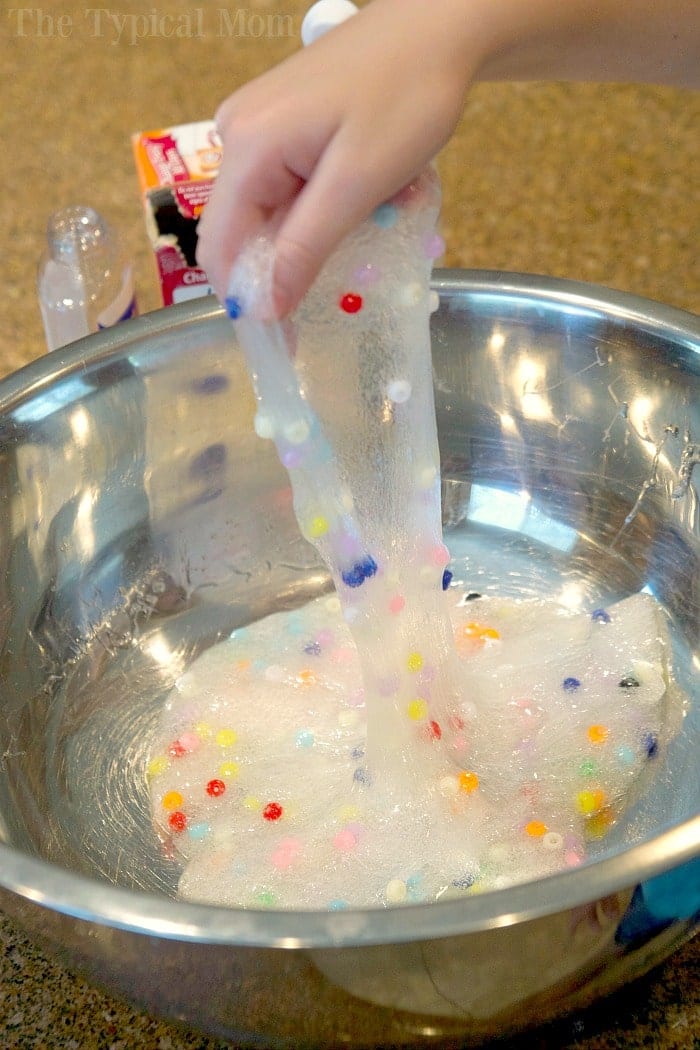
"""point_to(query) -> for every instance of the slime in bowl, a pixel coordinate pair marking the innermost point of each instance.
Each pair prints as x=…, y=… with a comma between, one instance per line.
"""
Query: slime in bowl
x=144, y=523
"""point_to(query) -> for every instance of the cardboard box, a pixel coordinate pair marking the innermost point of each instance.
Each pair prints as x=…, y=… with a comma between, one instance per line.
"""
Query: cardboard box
x=176, y=167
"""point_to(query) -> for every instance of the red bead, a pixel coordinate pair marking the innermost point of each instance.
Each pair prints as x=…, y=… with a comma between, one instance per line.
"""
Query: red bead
x=434, y=730
x=176, y=750
x=351, y=303
x=177, y=820
x=272, y=811
x=215, y=788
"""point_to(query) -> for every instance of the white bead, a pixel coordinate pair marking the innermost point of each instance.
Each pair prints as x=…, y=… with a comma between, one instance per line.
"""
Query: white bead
x=297, y=432
x=395, y=891
x=325, y=15
x=434, y=302
x=399, y=391
x=264, y=426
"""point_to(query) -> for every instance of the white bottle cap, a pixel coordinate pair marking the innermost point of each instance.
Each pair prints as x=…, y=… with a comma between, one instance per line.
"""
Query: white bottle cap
x=325, y=15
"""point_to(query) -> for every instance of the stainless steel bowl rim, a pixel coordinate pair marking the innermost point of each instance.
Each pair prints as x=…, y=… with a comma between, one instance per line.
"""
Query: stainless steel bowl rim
x=95, y=901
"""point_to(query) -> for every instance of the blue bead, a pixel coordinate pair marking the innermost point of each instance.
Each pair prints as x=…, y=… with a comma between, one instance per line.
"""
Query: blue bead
x=362, y=776
x=233, y=307
x=651, y=745
x=199, y=831
x=357, y=753
x=304, y=738
x=446, y=579
x=312, y=649
x=600, y=616
x=570, y=684
x=337, y=905
x=360, y=572
x=385, y=215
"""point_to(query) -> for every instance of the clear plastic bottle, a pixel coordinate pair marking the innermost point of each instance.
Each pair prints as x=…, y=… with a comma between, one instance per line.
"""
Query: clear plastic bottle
x=84, y=281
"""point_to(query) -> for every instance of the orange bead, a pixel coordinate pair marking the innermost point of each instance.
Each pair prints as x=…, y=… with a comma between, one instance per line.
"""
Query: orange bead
x=597, y=734
x=536, y=829
x=468, y=782
x=307, y=677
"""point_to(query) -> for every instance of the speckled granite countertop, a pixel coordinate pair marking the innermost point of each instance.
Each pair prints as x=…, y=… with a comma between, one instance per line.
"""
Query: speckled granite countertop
x=593, y=183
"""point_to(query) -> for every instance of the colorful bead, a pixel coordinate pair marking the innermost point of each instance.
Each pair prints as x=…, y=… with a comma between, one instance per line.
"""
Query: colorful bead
x=203, y=729
x=264, y=426
x=272, y=811
x=588, y=768
x=199, y=831
x=177, y=821
x=177, y=750
x=360, y=571
x=471, y=596
x=571, y=684
x=286, y=853
x=414, y=662
x=597, y=734
x=351, y=303
x=433, y=302
x=439, y=555
x=650, y=743
x=307, y=677
x=552, y=841
x=385, y=215
x=215, y=788
x=233, y=307
x=434, y=246
x=398, y=391
x=226, y=737
x=536, y=829
x=589, y=802
x=418, y=710
x=625, y=755
x=446, y=579
x=157, y=766
x=337, y=904
x=190, y=741
x=172, y=800
x=396, y=604
x=312, y=649
x=396, y=891
x=345, y=840
x=464, y=882
x=600, y=616
x=304, y=739
x=230, y=770
x=367, y=275
x=318, y=527
x=434, y=730
x=297, y=432
x=251, y=803
x=628, y=682
x=468, y=782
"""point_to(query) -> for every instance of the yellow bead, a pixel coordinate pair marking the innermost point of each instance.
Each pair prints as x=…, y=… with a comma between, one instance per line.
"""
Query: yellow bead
x=157, y=766
x=226, y=737
x=599, y=824
x=172, y=800
x=203, y=730
x=589, y=802
x=417, y=710
x=251, y=803
x=348, y=813
x=229, y=769
x=318, y=527
x=414, y=662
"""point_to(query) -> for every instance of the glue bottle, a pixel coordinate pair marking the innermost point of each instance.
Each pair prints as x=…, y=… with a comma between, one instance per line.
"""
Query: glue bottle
x=84, y=281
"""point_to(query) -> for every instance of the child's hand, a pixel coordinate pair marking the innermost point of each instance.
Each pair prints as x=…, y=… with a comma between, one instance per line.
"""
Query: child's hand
x=313, y=146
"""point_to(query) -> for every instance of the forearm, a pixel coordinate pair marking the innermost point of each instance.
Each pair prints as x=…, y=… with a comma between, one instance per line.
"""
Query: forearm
x=654, y=41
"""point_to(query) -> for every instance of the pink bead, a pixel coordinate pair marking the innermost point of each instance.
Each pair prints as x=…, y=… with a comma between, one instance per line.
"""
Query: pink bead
x=357, y=698
x=397, y=603
x=388, y=686
x=434, y=246
x=342, y=655
x=286, y=853
x=440, y=555
x=459, y=743
x=345, y=840
x=324, y=636
x=572, y=859
x=190, y=741
x=367, y=276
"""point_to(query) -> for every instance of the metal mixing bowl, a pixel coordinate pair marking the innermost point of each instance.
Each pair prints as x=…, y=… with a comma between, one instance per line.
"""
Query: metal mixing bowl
x=142, y=518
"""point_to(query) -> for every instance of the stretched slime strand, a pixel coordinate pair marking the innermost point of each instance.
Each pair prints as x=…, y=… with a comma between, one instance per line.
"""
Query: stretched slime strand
x=344, y=389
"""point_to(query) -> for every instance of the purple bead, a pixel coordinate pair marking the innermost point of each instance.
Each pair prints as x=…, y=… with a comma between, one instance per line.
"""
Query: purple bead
x=650, y=743
x=570, y=685
x=446, y=579
x=600, y=616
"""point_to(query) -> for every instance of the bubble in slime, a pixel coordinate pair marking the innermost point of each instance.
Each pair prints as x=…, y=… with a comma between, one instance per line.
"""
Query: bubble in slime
x=402, y=739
